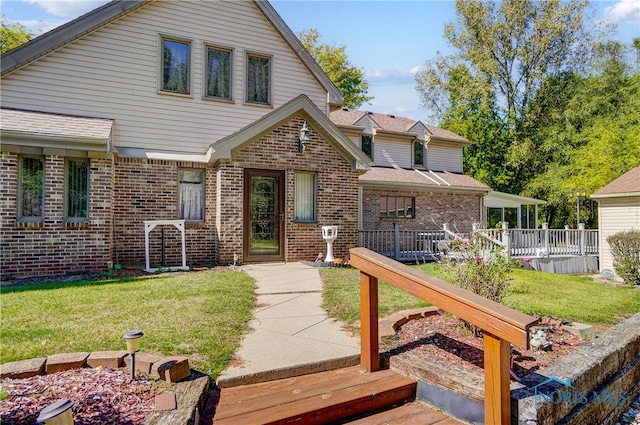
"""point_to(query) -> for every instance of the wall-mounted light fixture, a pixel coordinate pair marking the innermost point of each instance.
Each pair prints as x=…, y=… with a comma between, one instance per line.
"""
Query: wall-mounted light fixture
x=132, y=338
x=58, y=413
x=303, y=138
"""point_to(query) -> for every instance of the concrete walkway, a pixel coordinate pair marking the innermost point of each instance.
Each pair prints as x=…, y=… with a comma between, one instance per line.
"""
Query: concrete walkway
x=291, y=333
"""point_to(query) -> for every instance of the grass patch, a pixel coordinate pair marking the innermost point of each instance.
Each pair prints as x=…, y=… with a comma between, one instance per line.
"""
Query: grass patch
x=575, y=298
x=203, y=315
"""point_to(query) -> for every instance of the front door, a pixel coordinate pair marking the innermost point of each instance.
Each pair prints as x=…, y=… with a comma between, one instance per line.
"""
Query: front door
x=263, y=215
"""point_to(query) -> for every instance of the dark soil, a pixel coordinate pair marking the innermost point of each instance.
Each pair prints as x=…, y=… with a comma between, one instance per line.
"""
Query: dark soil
x=444, y=338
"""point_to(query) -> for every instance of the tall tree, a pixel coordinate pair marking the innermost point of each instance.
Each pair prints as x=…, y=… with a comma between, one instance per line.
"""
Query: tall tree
x=334, y=62
x=12, y=35
x=509, y=49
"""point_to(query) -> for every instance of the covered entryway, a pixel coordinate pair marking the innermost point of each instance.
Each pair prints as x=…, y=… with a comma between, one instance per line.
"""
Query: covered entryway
x=263, y=215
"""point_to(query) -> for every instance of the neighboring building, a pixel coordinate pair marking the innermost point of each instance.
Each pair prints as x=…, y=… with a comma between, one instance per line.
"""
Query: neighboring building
x=155, y=110
x=618, y=210
x=417, y=181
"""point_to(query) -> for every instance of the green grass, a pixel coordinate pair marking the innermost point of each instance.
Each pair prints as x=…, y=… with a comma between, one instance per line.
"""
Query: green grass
x=575, y=298
x=203, y=315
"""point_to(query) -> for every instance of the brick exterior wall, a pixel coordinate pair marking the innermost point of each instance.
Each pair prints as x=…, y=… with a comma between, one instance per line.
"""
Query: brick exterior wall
x=433, y=209
x=146, y=190
x=337, y=193
x=55, y=246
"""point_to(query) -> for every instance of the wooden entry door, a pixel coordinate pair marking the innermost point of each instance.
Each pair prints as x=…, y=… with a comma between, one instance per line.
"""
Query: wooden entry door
x=263, y=215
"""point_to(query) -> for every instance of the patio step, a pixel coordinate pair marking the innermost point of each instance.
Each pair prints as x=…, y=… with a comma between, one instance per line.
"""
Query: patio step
x=326, y=397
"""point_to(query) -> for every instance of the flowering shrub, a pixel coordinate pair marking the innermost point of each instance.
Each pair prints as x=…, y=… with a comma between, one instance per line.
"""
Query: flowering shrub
x=481, y=272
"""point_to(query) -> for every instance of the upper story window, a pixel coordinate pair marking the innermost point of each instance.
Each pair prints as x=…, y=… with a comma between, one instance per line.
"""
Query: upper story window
x=176, y=66
x=31, y=188
x=258, y=79
x=191, y=195
x=418, y=153
x=397, y=207
x=366, y=144
x=76, y=189
x=218, y=73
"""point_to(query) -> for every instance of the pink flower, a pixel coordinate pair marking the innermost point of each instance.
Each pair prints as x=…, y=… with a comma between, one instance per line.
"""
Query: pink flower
x=526, y=259
x=479, y=259
x=465, y=241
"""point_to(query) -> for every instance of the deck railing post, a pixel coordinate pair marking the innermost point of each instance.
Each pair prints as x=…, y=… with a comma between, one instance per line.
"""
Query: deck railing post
x=396, y=242
x=506, y=238
x=545, y=229
x=582, y=238
x=369, y=350
x=497, y=392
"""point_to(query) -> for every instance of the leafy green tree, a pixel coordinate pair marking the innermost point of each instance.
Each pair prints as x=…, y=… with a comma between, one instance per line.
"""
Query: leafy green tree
x=509, y=49
x=334, y=62
x=12, y=35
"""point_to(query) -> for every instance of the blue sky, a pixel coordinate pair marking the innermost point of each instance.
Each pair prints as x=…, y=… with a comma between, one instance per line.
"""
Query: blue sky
x=389, y=40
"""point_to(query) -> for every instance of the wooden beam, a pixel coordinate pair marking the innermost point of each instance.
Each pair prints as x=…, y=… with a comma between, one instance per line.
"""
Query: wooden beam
x=369, y=350
x=497, y=392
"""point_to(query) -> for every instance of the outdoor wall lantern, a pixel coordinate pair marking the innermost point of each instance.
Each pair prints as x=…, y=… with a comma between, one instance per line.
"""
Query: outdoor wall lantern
x=303, y=138
x=132, y=338
x=58, y=413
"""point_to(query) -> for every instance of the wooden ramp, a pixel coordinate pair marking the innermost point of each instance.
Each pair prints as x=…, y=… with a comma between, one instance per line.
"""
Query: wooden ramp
x=327, y=397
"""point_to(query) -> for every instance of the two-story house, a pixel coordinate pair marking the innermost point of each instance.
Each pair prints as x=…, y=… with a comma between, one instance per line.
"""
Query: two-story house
x=417, y=181
x=209, y=116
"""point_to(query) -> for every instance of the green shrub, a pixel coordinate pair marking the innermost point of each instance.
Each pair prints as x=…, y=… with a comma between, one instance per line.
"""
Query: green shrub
x=625, y=248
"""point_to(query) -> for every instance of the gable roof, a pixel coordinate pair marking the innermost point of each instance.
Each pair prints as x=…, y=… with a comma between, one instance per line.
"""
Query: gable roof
x=299, y=106
x=392, y=123
x=626, y=185
x=101, y=16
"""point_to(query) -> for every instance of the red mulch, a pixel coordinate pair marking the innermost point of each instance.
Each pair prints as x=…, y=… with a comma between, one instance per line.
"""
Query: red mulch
x=100, y=396
x=444, y=338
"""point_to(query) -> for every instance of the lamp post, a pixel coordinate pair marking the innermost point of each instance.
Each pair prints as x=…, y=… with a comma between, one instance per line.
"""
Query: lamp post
x=132, y=339
x=579, y=194
x=58, y=413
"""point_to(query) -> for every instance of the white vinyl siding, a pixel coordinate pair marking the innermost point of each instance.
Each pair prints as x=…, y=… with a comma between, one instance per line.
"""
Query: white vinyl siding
x=444, y=158
x=615, y=215
x=113, y=72
x=389, y=153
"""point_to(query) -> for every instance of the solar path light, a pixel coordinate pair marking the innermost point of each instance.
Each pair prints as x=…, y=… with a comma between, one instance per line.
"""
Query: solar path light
x=58, y=413
x=132, y=339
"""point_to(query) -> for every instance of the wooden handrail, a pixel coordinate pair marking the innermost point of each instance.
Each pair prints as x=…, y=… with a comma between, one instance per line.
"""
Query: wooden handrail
x=501, y=325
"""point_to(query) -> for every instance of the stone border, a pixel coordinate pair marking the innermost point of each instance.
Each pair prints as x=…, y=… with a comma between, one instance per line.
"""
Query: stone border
x=190, y=387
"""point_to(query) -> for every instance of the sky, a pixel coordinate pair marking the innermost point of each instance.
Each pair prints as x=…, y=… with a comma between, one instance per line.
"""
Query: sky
x=389, y=40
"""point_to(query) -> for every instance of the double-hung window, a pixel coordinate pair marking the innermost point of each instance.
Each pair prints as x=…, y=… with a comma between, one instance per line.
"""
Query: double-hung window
x=176, y=66
x=258, y=79
x=418, y=153
x=31, y=188
x=305, y=196
x=191, y=195
x=218, y=73
x=77, y=189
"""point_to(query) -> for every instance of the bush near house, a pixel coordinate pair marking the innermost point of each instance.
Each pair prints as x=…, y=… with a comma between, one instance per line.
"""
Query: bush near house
x=625, y=248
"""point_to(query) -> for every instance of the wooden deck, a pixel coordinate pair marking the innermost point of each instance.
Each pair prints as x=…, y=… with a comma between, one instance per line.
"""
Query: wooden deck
x=327, y=397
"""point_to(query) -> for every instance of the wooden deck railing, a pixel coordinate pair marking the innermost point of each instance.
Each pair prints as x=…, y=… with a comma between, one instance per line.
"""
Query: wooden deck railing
x=501, y=325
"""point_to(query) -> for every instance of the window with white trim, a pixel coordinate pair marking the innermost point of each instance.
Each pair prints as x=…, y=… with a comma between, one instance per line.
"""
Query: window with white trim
x=31, y=188
x=191, y=195
x=305, y=196
x=176, y=66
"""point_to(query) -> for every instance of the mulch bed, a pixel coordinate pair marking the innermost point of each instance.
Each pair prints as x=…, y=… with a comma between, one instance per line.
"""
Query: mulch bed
x=100, y=396
x=444, y=338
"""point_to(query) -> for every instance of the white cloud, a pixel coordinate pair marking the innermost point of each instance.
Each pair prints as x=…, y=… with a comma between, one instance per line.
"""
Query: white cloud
x=623, y=12
x=67, y=8
x=39, y=27
x=389, y=76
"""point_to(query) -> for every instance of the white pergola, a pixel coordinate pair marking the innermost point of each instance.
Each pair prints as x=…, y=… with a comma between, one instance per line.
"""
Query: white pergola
x=148, y=227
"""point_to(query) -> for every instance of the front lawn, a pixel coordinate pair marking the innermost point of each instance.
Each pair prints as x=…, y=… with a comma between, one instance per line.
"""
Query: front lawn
x=574, y=298
x=203, y=315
